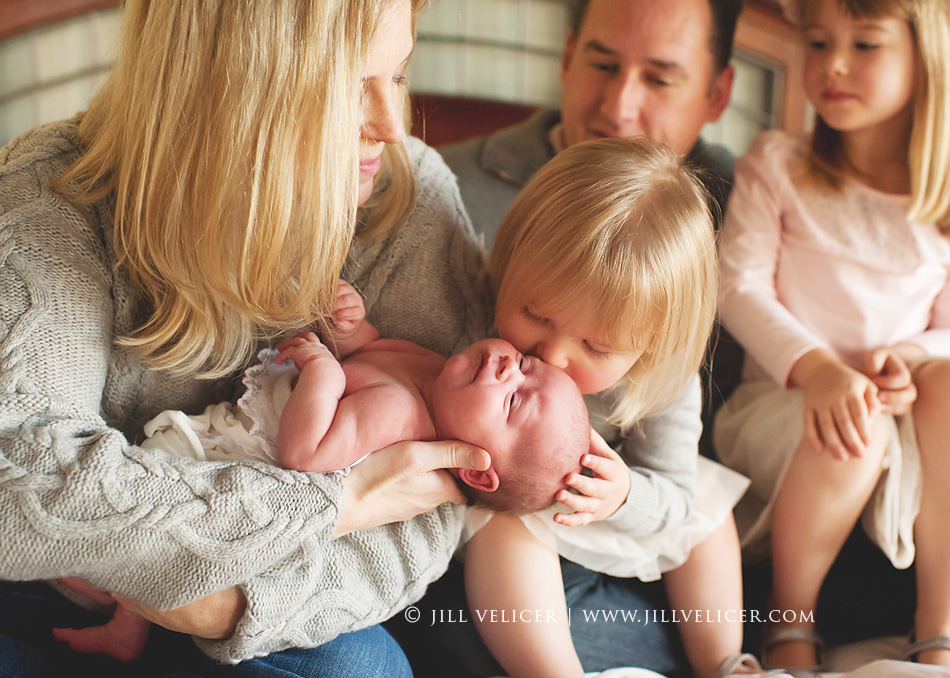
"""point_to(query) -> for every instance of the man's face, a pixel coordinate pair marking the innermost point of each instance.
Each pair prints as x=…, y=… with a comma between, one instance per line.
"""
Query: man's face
x=642, y=67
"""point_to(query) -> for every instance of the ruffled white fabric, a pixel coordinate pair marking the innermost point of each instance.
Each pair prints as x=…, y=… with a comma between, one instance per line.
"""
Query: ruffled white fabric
x=225, y=432
x=599, y=547
x=268, y=387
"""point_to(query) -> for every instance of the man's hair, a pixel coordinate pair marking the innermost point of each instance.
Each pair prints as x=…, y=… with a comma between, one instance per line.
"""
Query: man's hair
x=725, y=14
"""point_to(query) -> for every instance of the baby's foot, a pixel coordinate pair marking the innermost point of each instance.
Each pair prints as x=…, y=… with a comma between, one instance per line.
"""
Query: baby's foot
x=122, y=638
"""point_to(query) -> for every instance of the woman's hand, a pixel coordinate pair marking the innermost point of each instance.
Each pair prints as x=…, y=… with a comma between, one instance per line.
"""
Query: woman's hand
x=601, y=495
x=215, y=616
x=839, y=404
x=403, y=480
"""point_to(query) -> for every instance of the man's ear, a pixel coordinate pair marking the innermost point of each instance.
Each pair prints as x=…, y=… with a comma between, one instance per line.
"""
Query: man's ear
x=486, y=481
x=720, y=94
x=568, y=53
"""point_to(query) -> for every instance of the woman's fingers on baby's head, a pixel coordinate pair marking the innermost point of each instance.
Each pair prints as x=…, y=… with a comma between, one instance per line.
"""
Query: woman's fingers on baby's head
x=457, y=454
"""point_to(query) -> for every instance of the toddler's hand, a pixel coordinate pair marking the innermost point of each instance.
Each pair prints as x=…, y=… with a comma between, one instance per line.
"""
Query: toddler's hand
x=601, y=495
x=890, y=372
x=303, y=348
x=349, y=311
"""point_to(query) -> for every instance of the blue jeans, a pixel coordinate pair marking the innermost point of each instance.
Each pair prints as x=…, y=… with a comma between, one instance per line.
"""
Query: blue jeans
x=29, y=610
x=439, y=643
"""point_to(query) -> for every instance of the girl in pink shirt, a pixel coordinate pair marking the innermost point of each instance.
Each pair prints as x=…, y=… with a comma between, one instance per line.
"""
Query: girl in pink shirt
x=835, y=265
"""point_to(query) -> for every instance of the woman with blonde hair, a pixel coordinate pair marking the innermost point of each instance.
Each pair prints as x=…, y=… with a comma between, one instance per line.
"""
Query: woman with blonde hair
x=240, y=156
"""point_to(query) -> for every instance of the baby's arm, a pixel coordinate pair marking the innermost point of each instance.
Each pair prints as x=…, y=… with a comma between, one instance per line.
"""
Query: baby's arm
x=509, y=571
x=313, y=403
x=321, y=430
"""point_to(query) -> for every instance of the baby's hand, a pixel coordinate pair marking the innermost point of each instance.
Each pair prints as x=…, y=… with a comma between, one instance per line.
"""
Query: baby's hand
x=349, y=311
x=303, y=348
x=601, y=495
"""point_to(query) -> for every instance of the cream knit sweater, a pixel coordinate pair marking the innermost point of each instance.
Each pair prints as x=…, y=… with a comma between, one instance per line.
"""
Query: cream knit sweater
x=78, y=498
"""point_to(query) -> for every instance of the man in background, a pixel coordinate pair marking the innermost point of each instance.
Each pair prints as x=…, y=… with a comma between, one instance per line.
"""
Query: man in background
x=629, y=67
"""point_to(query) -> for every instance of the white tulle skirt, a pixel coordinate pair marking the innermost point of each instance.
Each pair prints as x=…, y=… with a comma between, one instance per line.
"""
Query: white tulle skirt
x=757, y=431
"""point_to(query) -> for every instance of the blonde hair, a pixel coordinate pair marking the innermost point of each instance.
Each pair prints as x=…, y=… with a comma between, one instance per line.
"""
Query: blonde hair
x=622, y=228
x=222, y=133
x=929, y=151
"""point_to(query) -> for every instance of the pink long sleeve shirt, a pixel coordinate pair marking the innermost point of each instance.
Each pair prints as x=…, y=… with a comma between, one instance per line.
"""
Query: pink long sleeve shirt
x=807, y=266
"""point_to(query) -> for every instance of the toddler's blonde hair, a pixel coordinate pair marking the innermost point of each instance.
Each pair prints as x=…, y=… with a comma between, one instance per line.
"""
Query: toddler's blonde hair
x=228, y=134
x=929, y=152
x=621, y=229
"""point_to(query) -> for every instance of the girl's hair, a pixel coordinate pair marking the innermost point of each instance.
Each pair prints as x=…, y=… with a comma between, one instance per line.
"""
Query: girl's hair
x=228, y=134
x=621, y=229
x=929, y=153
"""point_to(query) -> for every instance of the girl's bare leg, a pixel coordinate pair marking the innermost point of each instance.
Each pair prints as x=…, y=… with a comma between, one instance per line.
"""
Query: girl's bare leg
x=509, y=572
x=932, y=528
x=710, y=581
x=817, y=506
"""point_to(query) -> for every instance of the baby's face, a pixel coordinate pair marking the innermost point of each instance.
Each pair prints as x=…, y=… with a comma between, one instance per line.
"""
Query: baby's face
x=492, y=396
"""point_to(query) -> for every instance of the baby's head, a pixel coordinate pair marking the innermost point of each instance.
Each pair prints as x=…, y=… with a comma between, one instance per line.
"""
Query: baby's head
x=528, y=416
x=605, y=266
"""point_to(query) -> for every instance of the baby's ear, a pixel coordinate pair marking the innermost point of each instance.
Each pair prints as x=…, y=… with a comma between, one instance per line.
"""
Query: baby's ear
x=487, y=480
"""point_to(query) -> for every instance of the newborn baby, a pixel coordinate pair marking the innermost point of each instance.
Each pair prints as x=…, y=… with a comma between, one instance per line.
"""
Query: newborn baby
x=326, y=415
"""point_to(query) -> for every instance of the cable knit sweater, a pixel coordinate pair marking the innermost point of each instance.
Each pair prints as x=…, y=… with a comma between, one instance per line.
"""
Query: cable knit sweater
x=78, y=498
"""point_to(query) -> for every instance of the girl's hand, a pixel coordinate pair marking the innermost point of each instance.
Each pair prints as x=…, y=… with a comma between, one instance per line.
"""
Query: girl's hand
x=839, y=404
x=403, y=480
x=601, y=495
x=889, y=371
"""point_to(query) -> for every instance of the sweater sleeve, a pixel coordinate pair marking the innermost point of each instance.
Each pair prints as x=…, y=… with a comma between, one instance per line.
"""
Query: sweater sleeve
x=661, y=457
x=76, y=498
x=750, y=247
x=307, y=601
x=936, y=339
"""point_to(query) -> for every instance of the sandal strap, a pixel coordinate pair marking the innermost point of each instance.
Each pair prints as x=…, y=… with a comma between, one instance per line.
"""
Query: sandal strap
x=739, y=660
x=777, y=635
x=932, y=643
